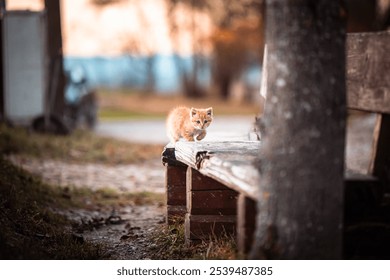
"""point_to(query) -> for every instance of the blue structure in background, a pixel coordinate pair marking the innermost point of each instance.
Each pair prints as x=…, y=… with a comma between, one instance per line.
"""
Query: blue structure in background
x=132, y=71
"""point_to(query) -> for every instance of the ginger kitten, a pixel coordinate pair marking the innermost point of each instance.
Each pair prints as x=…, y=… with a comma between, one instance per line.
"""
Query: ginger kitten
x=188, y=123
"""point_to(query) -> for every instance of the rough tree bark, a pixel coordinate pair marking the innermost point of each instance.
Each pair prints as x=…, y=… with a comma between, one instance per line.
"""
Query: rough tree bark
x=302, y=155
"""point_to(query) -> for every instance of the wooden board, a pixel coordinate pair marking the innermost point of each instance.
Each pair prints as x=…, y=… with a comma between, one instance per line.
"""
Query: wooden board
x=217, y=202
x=246, y=223
x=203, y=227
x=175, y=184
x=230, y=163
x=368, y=71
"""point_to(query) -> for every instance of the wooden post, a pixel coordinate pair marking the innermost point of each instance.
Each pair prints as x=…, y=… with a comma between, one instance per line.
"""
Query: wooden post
x=211, y=208
x=246, y=219
x=2, y=109
x=56, y=72
x=380, y=162
x=175, y=184
x=301, y=161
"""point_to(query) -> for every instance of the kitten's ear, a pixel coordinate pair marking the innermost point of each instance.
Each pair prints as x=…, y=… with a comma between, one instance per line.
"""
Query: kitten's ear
x=209, y=111
x=193, y=112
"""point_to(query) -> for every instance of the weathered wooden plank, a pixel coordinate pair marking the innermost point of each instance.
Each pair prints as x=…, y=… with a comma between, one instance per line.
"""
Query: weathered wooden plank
x=206, y=196
x=175, y=213
x=176, y=175
x=176, y=195
x=202, y=227
x=175, y=185
x=216, y=202
x=368, y=71
x=168, y=156
x=380, y=161
x=227, y=162
x=246, y=220
x=240, y=176
x=196, y=181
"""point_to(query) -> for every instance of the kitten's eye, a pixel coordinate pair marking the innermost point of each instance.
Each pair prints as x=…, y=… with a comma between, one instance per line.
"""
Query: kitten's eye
x=205, y=121
x=197, y=121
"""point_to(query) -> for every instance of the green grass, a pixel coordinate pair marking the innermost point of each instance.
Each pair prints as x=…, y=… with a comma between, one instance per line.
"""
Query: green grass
x=122, y=104
x=110, y=198
x=80, y=146
x=107, y=114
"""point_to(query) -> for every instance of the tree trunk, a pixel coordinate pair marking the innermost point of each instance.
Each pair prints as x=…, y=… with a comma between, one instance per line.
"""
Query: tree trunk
x=56, y=73
x=302, y=155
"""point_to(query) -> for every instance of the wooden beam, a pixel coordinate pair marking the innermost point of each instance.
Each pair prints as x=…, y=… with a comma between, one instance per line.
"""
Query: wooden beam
x=230, y=163
x=246, y=220
x=175, y=184
x=56, y=72
x=368, y=71
x=211, y=208
x=380, y=161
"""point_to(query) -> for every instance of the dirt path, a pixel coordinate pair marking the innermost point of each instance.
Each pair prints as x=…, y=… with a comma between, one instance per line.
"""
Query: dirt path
x=126, y=230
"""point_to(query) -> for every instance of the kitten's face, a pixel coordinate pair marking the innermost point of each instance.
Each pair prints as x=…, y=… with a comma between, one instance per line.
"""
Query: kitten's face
x=201, y=118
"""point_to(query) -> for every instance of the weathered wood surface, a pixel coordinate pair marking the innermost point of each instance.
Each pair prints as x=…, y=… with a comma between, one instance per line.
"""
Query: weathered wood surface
x=230, y=163
x=246, y=221
x=368, y=71
x=206, y=196
x=380, y=161
x=175, y=184
x=202, y=227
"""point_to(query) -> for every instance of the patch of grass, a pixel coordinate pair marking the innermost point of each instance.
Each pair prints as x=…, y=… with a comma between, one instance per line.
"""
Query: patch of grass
x=170, y=244
x=108, y=198
x=111, y=114
x=81, y=146
x=123, y=104
x=29, y=229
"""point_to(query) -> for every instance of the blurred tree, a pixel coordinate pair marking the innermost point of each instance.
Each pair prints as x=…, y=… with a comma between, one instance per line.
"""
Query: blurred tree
x=235, y=48
x=236, y=41
x=145, y=48
x=189, y=79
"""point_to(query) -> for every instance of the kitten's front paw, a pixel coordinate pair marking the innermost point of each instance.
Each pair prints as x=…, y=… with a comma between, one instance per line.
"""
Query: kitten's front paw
x=201, y=136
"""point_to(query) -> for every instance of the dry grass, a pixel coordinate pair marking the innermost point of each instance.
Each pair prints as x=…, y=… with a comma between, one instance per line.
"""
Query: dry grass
x=170, y=244
x=80, y=146
x=124, y=104
x=31, y=226
x=29, y=229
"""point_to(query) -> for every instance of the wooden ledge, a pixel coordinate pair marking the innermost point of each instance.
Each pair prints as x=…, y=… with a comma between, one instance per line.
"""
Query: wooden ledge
x=228, y=162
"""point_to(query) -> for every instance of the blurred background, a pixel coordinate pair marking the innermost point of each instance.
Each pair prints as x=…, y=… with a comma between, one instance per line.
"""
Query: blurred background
x=87, y=69
x=87, y=62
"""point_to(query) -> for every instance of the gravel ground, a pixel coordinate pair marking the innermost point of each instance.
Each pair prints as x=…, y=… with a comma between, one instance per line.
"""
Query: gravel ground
x=129, y=239
x=144, y=176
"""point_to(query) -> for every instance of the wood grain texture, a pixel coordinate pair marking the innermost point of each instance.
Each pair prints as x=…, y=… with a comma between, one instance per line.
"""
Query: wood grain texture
x=380, y=161
x=175, y=213
x=202, y=227
x=230, y=163
x=175, y=185
x=246, y=220
x=196, y=181
x=368, y=71
x=217, y=202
